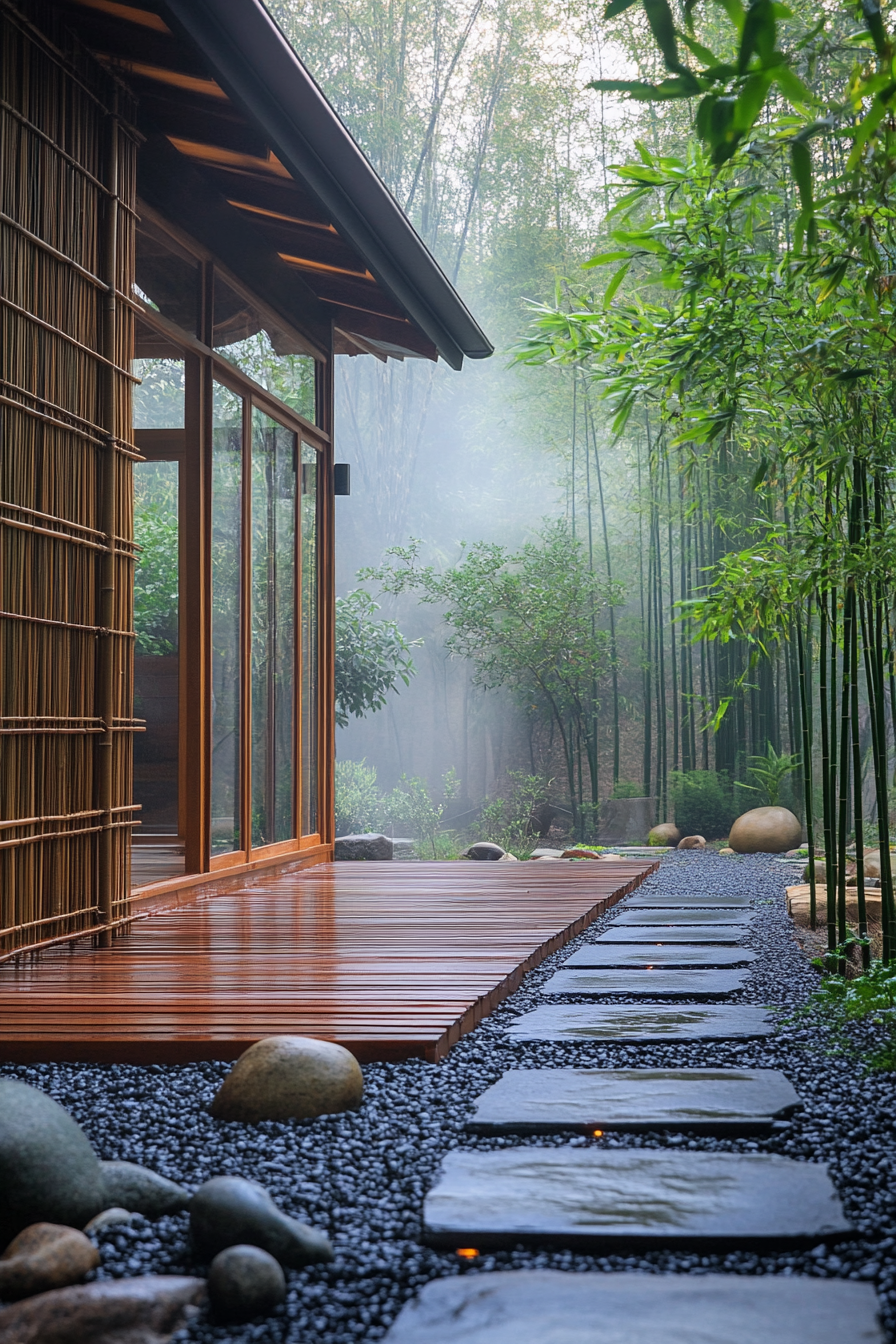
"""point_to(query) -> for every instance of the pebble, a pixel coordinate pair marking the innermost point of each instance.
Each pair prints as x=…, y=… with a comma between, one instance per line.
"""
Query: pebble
x=135, y=1311
x=290, y=1077
x=228, y=1210
x=361, y=1175
x=244, y=1282
x=45, y=1256
x=139, y=1190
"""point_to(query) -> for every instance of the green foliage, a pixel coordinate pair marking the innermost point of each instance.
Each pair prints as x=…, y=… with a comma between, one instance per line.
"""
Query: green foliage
x=411, y=805
x=371, y=657
x=357, y=797
x=156, y=585
x=528, y=621
x=626, y=788
x=702, y=803
x=870, y=999
x=505, y=821
x=768, y=774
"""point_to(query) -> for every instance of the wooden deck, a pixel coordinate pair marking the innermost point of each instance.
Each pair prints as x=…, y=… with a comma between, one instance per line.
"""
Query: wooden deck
x=392, y=960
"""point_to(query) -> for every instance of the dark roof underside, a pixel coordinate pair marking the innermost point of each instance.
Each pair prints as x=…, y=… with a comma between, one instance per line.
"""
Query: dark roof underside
x=244, y=152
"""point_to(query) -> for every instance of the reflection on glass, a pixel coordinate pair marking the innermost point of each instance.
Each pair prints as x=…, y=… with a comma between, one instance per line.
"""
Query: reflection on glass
x=273, y=629
x=159, y=397
x=156, y=649
x=309, y=640
x=227, y=493
x=167, y=276
x=269, y=356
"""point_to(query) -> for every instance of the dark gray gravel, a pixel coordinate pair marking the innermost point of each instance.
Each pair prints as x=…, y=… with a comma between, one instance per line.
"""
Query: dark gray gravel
x=362, y=1176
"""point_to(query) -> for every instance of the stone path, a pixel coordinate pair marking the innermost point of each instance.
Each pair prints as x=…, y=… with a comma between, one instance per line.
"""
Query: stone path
x=657, y=901
x=689, y=955
x=650, y=983
x=548, y=1307
x=705, y=1101
x=629, y=1198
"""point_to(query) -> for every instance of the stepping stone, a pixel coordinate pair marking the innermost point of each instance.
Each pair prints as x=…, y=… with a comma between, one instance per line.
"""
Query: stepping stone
x=642, y=901
x=706, y=1101
x=610, y=1199
x=666, y=933
x=605, y=954
x=632, y=1022
x=547, y=1306
x=678, y=918
x=650, y=984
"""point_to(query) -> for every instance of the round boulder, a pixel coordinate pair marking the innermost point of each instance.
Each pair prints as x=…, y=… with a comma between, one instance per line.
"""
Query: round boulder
x=289, y=1078
x=244, y=1282
x=48, y=1171
x=765, y=830
x=667, y=833
x=483, y=849
x=692, y=842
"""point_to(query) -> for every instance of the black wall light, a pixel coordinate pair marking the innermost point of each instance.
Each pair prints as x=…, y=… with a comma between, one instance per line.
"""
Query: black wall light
x=342, y=478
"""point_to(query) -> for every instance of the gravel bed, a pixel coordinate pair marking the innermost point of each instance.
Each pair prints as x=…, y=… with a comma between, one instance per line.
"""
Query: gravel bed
x=362, y=1176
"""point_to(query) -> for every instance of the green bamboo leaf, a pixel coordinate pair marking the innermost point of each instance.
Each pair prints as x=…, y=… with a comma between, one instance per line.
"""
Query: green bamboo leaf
x=615, y=283
x=793, y=87
x=865, y=131
x=801, y=166
x=758, y=35
x=602, y=258
x=736, y=13
x=662, y=25
x=702, y=53
x=875, y=25
x=750, y=102
x=617, y=7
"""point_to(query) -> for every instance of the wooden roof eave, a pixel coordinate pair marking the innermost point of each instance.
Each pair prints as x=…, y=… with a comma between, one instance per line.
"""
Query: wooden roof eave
x=254, y=63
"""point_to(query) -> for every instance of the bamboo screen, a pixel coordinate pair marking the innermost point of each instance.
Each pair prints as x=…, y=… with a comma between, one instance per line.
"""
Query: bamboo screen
x=67, y=195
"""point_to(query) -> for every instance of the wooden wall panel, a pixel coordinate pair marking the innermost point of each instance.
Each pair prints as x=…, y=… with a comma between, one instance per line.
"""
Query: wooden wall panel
x=67, y=196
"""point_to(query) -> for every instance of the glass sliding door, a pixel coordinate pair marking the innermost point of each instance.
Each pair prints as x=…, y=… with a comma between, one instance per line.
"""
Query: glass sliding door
x=273, y=647
x=227, y=608
x=309, y=619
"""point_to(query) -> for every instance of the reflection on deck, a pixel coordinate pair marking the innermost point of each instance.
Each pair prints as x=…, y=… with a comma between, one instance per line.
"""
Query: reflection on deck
x=391, y=960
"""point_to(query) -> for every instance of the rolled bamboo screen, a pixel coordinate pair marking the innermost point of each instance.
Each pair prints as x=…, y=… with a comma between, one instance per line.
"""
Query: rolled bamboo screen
x=67, y=197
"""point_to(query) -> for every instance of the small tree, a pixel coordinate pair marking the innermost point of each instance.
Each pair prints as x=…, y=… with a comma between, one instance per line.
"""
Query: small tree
x=371, y=657
x=528, y=621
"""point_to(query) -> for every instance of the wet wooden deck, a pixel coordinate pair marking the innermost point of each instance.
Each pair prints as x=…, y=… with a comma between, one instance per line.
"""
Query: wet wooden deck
x=392, y=960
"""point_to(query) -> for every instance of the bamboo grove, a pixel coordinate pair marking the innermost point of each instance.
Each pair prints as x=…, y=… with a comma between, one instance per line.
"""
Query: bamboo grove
x=736, y=342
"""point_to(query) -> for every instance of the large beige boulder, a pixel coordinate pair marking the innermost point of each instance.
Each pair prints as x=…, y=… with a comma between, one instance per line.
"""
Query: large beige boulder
x=692, y=842
x=765, y=830
x=667, y=833
x=289, y=1077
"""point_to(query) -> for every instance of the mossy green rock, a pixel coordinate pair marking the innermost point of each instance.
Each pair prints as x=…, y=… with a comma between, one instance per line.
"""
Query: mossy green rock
x=667, y=833
x=48, y=1171
x=230, y=1211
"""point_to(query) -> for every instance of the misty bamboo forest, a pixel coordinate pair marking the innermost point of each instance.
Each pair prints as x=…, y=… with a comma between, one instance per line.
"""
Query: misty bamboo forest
x=447, y=671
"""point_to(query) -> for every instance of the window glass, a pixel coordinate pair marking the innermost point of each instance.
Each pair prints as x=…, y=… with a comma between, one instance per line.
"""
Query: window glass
x=156, y=592
x=167, y=277
x=159, y=397
x=273, y=629
x=226, y=545
x=264, y=353
x=309, y=639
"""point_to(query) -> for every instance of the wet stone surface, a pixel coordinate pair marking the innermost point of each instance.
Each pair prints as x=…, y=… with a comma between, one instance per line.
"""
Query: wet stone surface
x=699, y=901
x=540, y=1305
x=681, y=916
x=647, y=983
x=629, y=1199
x=710, y=1101
x=634, y=1022
x=689, y=955
x=362, y=1176
x=662, y=934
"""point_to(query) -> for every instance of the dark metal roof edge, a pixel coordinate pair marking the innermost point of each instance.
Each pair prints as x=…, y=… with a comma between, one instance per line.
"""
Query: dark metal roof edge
x=253, y=60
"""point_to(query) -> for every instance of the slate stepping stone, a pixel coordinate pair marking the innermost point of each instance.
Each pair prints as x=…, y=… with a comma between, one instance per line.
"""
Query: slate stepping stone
x=677, y=918
x=643, y=901
x=659, y=984
x=605, y=954
x=546, y=1306
x=632, y=1022
x=630, y=1197
x=705, y=1101
x=665, y=933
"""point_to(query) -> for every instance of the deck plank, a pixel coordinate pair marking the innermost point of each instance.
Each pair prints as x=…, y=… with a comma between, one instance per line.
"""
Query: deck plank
x=393, y=961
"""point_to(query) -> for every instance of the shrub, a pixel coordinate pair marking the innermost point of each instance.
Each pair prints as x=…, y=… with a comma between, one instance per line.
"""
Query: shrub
x=702, y=803
x=624, y=788
x=357, y=797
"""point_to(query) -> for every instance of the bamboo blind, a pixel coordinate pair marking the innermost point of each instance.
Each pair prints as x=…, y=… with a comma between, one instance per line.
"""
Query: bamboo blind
x=67, y=196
